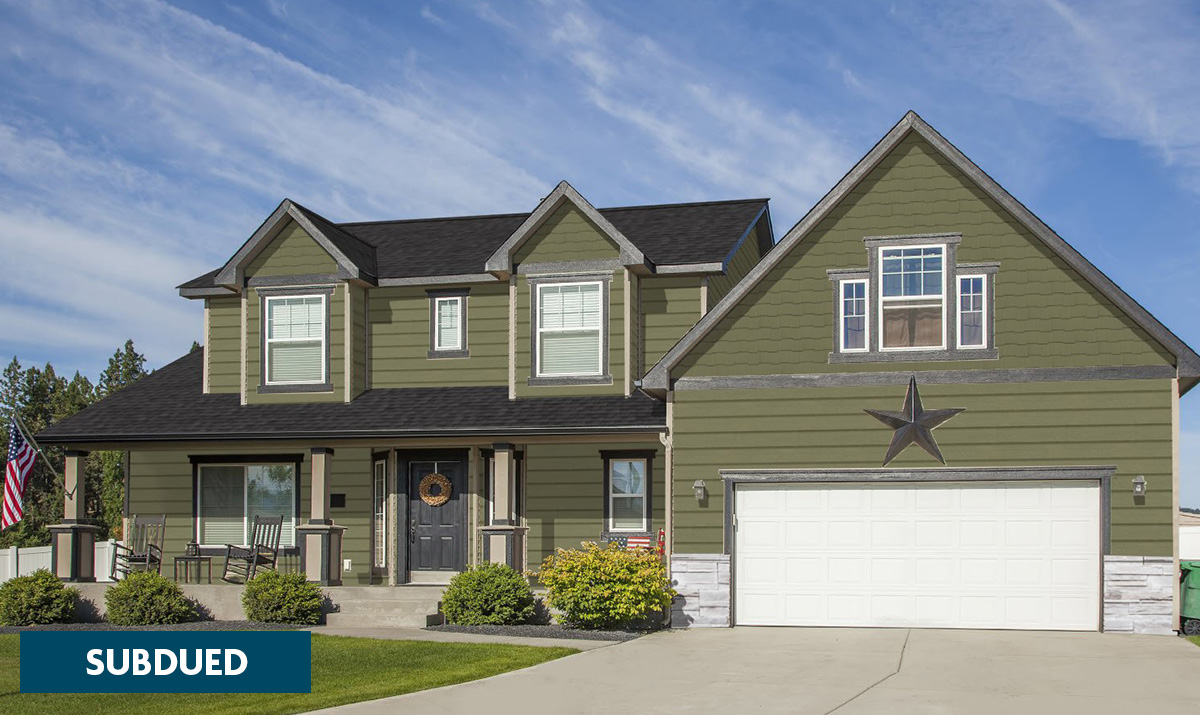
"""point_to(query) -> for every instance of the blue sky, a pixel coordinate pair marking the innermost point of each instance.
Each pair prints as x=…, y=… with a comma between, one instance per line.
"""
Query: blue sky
x=141, y=142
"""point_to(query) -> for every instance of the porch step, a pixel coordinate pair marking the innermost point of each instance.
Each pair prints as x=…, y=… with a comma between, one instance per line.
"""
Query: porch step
x=381, y=620
x=403, y=606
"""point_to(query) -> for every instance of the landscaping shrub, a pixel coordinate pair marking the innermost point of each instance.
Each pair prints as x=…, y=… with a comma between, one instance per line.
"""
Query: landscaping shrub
x=606, y=587
x=144, y=598
x=272, y=597
x=488, y=595
x=37, y=598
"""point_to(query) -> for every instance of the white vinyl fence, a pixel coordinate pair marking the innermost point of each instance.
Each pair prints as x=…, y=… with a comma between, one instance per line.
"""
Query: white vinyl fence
x=1189, y=543
x=16, y=561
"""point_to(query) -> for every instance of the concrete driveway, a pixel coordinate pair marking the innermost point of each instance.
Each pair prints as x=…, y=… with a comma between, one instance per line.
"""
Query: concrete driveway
x=850, y=671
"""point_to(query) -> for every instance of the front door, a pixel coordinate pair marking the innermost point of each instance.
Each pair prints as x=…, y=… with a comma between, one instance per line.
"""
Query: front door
x=436, y=510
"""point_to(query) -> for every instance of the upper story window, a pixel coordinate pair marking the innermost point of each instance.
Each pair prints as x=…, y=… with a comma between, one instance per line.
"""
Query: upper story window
x=570, y=329
x=913, y=302
x=296, y=337
x=448, y=323
x=912, y=298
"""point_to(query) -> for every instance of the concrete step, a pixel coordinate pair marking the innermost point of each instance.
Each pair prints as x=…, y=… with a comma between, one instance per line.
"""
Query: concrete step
x=430, y=606
x=377, y=620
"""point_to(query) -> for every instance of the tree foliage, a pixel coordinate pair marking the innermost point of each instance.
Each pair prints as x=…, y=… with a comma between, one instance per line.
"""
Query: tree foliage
x=42, y=397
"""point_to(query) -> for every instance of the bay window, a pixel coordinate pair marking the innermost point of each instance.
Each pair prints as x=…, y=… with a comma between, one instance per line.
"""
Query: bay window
x=912, y=305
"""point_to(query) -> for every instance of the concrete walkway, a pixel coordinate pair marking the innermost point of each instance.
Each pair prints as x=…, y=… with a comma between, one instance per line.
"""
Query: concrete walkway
x=420, y=634
x=850, y=671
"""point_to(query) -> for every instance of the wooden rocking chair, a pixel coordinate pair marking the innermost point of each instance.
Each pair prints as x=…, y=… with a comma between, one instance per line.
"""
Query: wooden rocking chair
x=142, y=548
x=242, y=563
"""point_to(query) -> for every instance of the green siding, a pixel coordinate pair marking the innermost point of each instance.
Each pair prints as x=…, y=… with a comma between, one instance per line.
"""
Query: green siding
x=291, y=252
x=223, y=351
x=358, y=340
x=743, y=260
x=337, y=352
x=1046, y=315
x=399, y=321
x=567, y=235
x=616, y=345
x=564, y=494
x=670, y=306
x=351, y=475
x=1122, y=423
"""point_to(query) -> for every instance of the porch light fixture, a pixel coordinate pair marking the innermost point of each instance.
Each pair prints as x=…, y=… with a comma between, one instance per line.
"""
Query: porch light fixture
x=1139, y=486
x=700, y=489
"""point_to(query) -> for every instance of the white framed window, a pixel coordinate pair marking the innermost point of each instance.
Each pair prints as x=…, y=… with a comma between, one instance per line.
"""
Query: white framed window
x=295, y=335
x=570, y=325
x=912, y=300
x=228, y=496
x=628, y=501
x=855, y=317
x=972, y=312
x=379, y=514
x=448, y=317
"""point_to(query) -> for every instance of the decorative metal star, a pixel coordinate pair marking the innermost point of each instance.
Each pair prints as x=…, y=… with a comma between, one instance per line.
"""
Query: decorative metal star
x=913, y=424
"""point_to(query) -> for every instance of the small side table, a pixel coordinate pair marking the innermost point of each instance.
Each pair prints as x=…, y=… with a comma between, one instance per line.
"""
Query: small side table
x=187, y=562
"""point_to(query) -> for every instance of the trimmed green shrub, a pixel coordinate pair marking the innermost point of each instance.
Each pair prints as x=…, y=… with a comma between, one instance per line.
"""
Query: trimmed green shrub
x=37, y=598
x=488, y=595
x=606, y=587
x=272, y=597
x=144, y=598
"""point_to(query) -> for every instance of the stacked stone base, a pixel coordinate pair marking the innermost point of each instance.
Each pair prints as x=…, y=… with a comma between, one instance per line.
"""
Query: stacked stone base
x=702, y=581
x=1139, y=593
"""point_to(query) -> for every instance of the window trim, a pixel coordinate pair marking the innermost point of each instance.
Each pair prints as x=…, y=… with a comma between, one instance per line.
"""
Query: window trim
x=841, y=315
x=437, y=351
x=268, y=340
x=914, y=300
x=265, y=294
x=647, y=457
x=244, y=461
x=536, y=379
x=983, y=307
x=379, y=520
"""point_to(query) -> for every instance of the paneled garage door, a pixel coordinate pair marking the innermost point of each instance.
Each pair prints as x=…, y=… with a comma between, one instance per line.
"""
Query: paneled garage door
x=1020, y=555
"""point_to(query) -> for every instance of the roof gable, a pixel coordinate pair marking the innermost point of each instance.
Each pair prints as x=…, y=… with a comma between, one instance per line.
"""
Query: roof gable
x=1187, y=362
x=501, y=260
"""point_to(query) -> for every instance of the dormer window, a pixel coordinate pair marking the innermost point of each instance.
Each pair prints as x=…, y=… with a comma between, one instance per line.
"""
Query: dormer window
x=569, y=329
x=913, y=302
x=295, y=340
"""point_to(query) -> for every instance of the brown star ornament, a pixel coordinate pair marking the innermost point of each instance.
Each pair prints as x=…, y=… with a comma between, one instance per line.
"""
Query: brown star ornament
x=913, y=424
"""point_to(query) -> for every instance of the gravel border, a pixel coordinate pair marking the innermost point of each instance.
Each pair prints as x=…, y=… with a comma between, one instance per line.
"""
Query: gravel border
x=193, y=626
x=534, y=631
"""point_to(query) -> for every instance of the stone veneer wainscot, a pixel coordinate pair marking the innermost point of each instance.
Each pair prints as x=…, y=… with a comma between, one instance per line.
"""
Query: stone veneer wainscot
x=1139, y=594
x=702, y=584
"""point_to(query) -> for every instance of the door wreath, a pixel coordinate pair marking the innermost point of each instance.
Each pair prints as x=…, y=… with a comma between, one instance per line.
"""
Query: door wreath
x=435, y=489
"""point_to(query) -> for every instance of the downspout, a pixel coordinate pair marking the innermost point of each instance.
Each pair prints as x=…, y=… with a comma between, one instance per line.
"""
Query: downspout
x=668, y=443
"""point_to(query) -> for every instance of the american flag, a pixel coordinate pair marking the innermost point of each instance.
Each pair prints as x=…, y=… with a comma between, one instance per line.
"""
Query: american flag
x=16, y=471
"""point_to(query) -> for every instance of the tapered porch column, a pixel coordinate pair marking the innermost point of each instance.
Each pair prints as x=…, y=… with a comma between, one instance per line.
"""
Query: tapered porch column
x=503, y=539
x=73, y=543
x=320, y=539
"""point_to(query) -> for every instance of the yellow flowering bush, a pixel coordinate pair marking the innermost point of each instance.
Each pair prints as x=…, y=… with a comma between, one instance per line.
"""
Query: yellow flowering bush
x=606, y=586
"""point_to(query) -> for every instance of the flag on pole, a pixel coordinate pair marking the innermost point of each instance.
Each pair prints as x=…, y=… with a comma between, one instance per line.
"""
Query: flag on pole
x=20, y=460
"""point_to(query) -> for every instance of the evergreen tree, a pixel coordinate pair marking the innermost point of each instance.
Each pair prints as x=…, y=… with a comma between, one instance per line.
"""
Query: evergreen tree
x=106, y=489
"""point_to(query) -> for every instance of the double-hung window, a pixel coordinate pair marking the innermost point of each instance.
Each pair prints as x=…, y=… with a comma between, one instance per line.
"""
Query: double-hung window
x=912, y=303
x=230, y=495
x=447, y=331
x=854, y=316
x=972, y=312
x=570, y=329
x=628, y=499
x=295, y=334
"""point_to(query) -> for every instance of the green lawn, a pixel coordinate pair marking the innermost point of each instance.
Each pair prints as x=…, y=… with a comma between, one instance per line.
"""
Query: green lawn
x=1194, y=639
x=344, y=670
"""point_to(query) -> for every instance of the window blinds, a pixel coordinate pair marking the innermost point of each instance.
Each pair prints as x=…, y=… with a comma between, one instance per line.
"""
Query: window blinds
x=296, y=339
x=569, y=327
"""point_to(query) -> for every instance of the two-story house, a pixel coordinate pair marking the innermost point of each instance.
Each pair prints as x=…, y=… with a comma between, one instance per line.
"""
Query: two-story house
x=416, y=396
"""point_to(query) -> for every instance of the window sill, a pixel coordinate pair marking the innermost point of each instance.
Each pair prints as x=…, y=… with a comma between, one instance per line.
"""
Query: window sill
x=284, y=389
x=914, y=356
x=446, y=354
x=609, y=534
x=569, y=380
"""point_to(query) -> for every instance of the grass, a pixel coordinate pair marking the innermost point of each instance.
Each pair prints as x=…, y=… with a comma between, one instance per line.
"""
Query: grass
x=344, y=670
x=1194, y=639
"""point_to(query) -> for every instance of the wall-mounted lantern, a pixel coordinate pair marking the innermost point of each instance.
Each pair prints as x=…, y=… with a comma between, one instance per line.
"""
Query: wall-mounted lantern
x=700, y=489
x=1139, y=486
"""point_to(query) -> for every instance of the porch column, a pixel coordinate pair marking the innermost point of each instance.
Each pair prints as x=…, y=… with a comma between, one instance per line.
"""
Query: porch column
x=320, y=539
x=73, y=543
x=503, y=540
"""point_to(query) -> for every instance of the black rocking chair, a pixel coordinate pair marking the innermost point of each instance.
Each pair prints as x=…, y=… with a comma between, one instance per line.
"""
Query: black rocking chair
x=242, y=563
x=142, y=548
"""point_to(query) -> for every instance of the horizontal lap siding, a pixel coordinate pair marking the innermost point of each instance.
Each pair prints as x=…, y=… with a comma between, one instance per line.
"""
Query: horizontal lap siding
x=567, y=235
x=337, y=352
x=358, y=340
x=224, y=344
x=670, y=307
x=351, y=475
x=1122, y=423
x=745, y=258
x=399, y=322
x=1045, y=314
x=292, y=252
x=564, y=494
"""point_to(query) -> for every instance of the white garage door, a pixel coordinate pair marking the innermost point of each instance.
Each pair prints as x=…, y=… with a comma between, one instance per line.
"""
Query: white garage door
x=1022, y=555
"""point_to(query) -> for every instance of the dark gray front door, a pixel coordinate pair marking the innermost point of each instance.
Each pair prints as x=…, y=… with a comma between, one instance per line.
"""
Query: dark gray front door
x=435, y=531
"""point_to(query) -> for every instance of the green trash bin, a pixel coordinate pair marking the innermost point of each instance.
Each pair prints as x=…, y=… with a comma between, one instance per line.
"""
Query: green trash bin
x=1190, y=600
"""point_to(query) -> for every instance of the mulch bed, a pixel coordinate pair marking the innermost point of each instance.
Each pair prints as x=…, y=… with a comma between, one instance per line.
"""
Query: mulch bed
x=193, y=626
x=531, y=631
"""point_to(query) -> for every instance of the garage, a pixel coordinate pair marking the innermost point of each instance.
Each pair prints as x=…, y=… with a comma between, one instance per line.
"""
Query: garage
x=975, y=554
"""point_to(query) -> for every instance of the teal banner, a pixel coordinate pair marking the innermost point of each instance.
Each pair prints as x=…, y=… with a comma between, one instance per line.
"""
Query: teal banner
x=166, y=662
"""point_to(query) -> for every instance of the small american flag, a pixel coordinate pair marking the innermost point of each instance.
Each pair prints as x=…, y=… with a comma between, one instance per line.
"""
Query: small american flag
x=637, y=542
x=16, y=471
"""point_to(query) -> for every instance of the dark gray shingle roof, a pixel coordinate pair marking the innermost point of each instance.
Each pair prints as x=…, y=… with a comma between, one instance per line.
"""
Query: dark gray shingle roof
x=169, y=405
